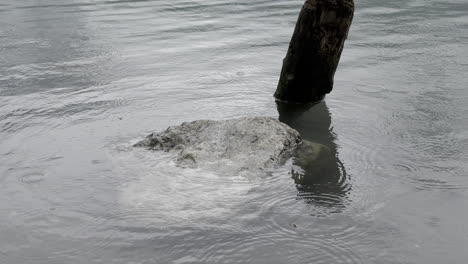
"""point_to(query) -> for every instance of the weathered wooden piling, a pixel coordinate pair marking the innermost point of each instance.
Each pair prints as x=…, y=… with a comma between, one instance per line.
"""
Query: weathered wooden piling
x=314, y=51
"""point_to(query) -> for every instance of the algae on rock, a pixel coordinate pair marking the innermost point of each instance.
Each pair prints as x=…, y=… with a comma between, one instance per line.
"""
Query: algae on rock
x=235, y=145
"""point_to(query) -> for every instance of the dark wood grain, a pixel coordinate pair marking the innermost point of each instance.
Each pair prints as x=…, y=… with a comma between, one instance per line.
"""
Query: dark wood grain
x=315, y=50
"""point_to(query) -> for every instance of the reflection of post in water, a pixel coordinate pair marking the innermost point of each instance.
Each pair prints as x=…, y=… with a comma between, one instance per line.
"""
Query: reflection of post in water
x=319, y=175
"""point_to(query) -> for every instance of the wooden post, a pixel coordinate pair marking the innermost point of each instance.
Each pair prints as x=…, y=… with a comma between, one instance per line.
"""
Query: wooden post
x=315, y=50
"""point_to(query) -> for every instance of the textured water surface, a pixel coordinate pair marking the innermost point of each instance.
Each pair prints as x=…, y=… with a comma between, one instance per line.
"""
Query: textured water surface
x=82, y=80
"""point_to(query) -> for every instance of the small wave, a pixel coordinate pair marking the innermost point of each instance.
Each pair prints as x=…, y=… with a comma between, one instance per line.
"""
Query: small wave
x=371, y=89
x=32, y=178
x=270, y=247
x=214, y=78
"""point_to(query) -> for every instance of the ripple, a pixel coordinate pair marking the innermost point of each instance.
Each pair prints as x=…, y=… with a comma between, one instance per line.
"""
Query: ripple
x=325, y=187
x=367, y=157
x=258, y=214
x=246, y=248
x=214, y=78
x=439, y=178
x=407, y=166
x=157, y=189
x=94, y=107
x=371, y=89
x=32, y=178
x=430, y=175
x=76, y=224
x=433, y=184
x=147, y=208
x=281, y=210
x=17, y=119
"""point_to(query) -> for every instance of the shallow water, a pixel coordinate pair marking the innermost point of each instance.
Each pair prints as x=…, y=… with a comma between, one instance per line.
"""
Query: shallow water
x=82, y=80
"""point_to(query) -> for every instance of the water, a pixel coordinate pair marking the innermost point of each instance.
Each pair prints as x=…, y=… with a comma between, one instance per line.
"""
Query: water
x=82, y=80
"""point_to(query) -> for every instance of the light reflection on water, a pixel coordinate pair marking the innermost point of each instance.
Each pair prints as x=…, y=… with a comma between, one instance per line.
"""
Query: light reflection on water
x=81, y=81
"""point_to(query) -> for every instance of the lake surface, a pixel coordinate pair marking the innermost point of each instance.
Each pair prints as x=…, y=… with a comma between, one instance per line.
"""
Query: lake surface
x=82, y=80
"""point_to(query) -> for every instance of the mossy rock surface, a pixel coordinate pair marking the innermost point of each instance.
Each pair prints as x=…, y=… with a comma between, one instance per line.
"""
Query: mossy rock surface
x=235, y=145
x=311, y=154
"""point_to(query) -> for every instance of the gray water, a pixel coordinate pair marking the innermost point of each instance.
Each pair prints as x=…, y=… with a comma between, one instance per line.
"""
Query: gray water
x=82, y=80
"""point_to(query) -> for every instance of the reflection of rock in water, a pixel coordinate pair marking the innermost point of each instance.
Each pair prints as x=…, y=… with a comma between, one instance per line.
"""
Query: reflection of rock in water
x=318, y=173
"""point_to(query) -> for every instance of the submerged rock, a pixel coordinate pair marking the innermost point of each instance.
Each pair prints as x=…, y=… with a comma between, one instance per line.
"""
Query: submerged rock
x=253, y=143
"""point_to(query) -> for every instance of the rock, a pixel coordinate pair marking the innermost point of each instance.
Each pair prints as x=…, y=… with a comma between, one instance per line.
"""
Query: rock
x=235, y=145
x=310, y=154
